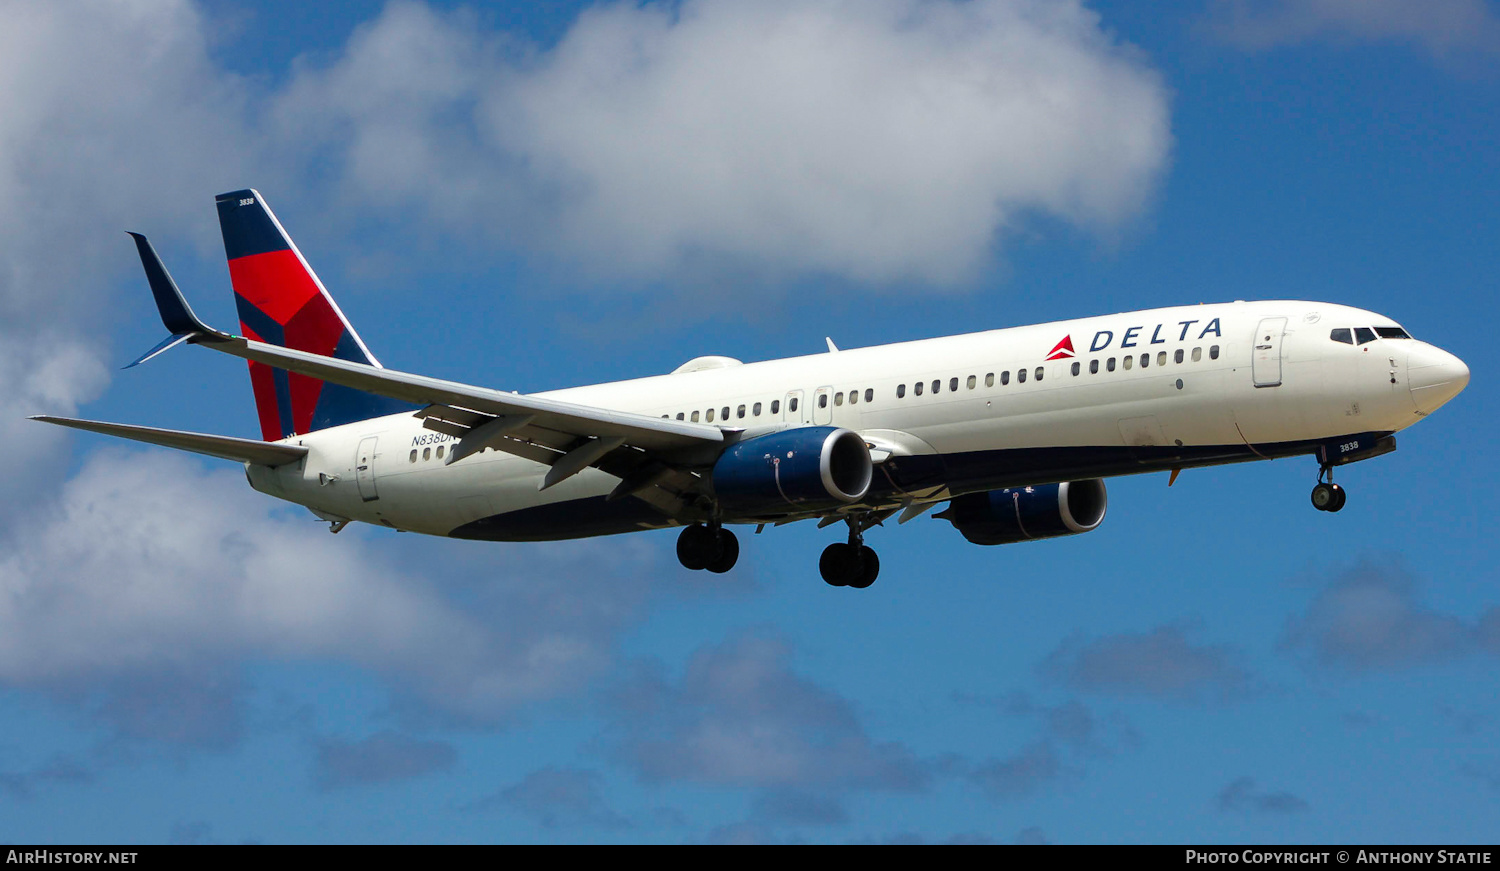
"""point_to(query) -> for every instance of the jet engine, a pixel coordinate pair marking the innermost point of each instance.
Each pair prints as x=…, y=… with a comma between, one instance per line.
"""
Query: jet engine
x=1028, y=513
x=803, y=469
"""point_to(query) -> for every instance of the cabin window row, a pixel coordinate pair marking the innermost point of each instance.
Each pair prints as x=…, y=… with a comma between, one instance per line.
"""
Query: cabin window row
x=1129, y=362
x=427, y=454
x=739, y=412
x=969, y=383
x=854, y=397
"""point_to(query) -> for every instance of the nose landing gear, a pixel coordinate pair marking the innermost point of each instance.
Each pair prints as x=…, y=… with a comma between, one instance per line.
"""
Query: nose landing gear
x=1328, y=496
x=850, y=565
x=708, y=547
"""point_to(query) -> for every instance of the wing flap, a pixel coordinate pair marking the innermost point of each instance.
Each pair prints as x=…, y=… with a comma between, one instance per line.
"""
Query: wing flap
x=224, y=447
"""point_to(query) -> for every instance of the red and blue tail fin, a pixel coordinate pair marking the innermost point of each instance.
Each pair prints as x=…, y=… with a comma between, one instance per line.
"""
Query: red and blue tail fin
x=281, y=302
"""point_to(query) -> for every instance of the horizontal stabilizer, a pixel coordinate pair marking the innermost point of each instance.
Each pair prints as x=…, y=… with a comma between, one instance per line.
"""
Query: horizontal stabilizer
x=225, y=447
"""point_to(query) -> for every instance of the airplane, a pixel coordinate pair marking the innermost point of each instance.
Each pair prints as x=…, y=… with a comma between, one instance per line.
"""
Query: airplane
x=1013, y=428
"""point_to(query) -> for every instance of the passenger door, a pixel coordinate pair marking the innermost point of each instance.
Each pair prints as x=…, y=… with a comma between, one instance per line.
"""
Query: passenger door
x=1265, y=359
x=364, y=469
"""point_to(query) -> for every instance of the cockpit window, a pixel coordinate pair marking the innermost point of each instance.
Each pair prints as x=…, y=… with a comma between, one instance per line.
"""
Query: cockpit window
x=1364, y=334
x=1392, y=333
x=1342, y=334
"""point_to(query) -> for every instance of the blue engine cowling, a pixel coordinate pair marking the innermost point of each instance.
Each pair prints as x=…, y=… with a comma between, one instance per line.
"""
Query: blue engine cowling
x=1028, y=513
x=802, y=469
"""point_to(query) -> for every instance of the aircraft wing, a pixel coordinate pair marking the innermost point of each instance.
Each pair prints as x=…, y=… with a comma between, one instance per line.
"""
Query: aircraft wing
x=652, y=456
x=225, y=447
x=545, y=415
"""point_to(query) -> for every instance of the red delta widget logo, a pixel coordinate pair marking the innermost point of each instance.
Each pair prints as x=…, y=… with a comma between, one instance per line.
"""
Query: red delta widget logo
x=1132, y=338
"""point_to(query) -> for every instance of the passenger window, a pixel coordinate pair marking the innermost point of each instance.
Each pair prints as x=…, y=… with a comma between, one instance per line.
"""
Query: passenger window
x=1109, y=364
x=822, y=400
x=1077, y=367
x=791, y=404
x=1004, y=378
x=917, y=388
x=953, y=385
x=853, y=397
x=413, y=455
x=972, y=382
x=695, y=417
x=755, y=409
x=724, y=415
x=440, y=452
x=1161, y=358
x=937, y=385
x=709, y=416
x=1363, y=335
x=1177, y=356
x=739, y=412
x=869, y=394
x=1040, y=371
x=1197, y=354
x=1342, y=334
x=1213, y=352
x=1127, y=362
x=775, y=406
x=679, y=415
x=989, y=379
x=838, y=398
x=1020, y=376
x=426, y=454
x=900, y=391
x=1093, y=367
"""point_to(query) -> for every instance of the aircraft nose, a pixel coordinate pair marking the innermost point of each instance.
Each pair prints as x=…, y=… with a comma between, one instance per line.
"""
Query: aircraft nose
x=1436, y=376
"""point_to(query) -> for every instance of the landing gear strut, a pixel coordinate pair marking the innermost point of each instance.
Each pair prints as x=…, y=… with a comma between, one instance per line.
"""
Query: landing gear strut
x=708, y=547
x=1328, y=496
x=853, y=564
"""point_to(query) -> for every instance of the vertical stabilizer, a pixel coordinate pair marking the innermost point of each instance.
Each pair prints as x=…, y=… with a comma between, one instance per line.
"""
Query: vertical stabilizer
x=281, y=302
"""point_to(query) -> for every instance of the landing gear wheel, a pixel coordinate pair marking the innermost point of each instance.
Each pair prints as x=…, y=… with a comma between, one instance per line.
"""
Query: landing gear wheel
x=729, y=553
x=869, y=568
x=1329, y=497
x=840, y=565
x=697, y=546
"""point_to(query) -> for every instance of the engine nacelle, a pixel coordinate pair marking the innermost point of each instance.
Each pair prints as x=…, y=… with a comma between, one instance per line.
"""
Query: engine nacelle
x=1028, y=513
x=802, y=469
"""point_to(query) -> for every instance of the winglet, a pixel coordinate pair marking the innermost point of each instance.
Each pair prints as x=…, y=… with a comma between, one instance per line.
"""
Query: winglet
x=176, y=314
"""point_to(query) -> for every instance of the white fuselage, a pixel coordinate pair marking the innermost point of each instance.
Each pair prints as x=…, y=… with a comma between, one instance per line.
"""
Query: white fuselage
x=1190, y=386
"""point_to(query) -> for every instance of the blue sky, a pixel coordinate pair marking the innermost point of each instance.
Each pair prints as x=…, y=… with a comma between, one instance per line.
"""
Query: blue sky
x=534, y=197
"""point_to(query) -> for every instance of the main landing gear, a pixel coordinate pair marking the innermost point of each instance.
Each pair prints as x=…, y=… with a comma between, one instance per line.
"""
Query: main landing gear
x=708, y=547
x=1328, y=496
x=850, y=565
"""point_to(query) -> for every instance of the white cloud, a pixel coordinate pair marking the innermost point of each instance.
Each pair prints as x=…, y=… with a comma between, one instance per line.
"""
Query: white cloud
x=1370, y=618
x=1163, y=663
x=1443, y=28
x=741, y=716
x=150, y=566
x=112, y=116
x=880, y=141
